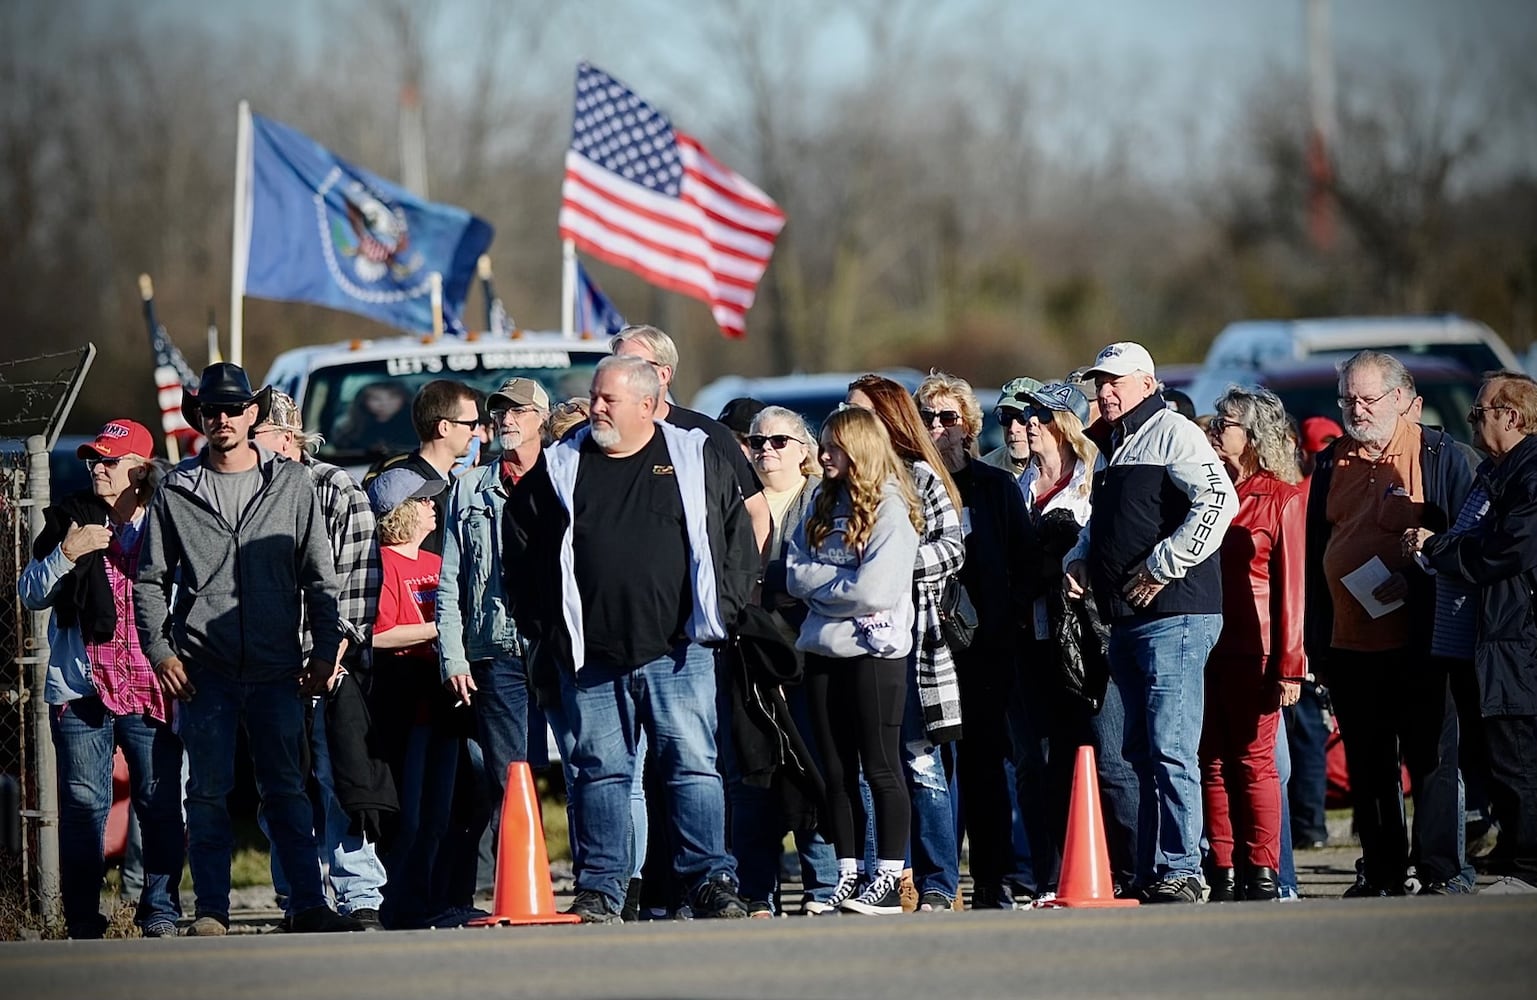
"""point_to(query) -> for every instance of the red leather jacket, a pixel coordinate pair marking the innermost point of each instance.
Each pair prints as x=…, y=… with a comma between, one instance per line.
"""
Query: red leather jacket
x=1263, y=554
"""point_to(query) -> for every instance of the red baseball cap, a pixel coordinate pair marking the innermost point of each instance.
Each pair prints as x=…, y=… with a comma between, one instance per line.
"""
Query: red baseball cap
x=1318, y=432
x=118, y=438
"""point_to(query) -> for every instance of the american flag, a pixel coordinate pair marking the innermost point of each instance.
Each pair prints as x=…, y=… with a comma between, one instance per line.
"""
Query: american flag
x=172, y=375
x=641, y=195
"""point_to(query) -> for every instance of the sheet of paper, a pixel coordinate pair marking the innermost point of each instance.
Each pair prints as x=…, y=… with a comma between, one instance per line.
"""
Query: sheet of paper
x=1363, y=581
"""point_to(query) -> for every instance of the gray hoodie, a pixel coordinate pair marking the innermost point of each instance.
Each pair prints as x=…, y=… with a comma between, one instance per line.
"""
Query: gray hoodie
x=238, y=590
x=861, y=604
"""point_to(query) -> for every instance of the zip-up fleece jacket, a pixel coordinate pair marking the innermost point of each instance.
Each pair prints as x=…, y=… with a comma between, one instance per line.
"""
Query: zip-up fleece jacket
x=474, y=620
x=238, y=589
x=1162, y=501
x=845, y=590
x=540, y=555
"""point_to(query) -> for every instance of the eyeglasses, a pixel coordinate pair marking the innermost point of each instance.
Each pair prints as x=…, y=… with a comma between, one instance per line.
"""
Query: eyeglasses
x=111, y=463
x=1361, y=402
x=779, y=441
x=1476, y=414
x=211, y=410
x=471, y=423
x=498, y=415
x=946, y=418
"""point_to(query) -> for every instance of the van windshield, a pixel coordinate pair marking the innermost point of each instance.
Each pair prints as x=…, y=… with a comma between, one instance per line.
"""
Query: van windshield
x=363, y=408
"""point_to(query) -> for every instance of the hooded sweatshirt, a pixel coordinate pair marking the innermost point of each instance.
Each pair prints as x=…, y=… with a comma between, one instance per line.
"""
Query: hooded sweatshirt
x=239, y=587
x=860, y=603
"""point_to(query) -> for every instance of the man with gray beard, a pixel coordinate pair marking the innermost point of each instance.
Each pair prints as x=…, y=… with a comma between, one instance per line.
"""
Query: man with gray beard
x=1386, y=476
x=480, y=652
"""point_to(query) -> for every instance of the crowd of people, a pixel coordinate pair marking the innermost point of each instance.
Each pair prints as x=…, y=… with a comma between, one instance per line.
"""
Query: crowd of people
x=873, y=640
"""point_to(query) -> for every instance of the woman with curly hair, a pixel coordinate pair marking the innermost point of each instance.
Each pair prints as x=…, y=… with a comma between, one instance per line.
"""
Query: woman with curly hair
x=933, y=714
x=851, y=561
x=1257, y=665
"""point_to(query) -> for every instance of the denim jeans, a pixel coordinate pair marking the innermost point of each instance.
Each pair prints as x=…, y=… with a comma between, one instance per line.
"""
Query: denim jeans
x=273, y=716
x=1306, y=734
x=555, y=718
x=1159, y=664
x=933, y=848
x=357, y=874
x=672, y=701
x=501, y=716
x=1286, y=879
x=85, y=734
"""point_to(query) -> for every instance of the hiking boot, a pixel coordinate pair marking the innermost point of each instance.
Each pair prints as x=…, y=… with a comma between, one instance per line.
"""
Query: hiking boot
x=630, y=911
x=908, y=893
x=848, y=885
x=368, y=917
x=159, y=929
x=593, y=907
x=934, y=902
x=716, y=898
x=1179, y=889
x=323, y=920
x=882, y=896
x=207, y=925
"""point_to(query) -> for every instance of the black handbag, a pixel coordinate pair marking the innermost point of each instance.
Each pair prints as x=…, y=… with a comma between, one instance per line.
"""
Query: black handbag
x=957, y=615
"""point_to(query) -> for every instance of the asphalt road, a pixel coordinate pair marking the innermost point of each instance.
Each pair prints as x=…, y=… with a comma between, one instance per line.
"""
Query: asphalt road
x=1425, y=947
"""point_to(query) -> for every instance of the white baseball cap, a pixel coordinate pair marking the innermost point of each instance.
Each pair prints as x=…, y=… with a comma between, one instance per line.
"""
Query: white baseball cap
x=1119, y=359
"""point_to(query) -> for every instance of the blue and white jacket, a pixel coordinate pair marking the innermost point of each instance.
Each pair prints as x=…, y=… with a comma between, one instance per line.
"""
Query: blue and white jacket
x=1162, y=501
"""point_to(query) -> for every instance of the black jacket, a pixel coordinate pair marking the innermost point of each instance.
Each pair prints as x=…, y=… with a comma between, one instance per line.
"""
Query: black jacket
x=359, y=770
x=998, y=574
x=1447, y=467
x=85, y=596
x=1500, y=557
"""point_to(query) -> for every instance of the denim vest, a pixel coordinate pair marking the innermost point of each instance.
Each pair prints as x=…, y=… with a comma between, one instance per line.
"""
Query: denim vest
x=472, y=617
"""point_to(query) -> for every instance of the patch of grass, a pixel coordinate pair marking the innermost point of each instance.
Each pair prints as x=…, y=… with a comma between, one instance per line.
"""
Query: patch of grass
x=557, y=837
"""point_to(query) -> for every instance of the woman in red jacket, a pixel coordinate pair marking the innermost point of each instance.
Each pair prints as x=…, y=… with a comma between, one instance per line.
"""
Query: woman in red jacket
x=1257, y=665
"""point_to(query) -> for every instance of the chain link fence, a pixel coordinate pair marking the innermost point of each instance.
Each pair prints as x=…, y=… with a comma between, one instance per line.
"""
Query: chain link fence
x=36, y=395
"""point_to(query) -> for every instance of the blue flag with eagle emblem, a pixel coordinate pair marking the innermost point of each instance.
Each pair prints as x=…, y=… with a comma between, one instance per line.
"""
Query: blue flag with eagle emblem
x=321, y=230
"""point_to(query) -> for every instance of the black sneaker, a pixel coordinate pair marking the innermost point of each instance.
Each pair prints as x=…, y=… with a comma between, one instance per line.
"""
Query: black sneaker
x=935, y=902
x=991, y=897
x=323, y=920
x=844, y=891
x=882, y=896
x=593, y=907
x=716, y=898
x=1364, y=889
x=1180, y=889
x=368, y=917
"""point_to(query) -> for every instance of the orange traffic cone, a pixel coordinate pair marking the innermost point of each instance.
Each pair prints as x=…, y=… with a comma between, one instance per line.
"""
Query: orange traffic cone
x=1085, y=878
x=524, y=893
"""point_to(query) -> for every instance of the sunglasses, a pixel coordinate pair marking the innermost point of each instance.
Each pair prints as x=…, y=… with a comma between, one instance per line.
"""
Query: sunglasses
x=947, y=418
x=1007, y=417
x=471, y=423
x=1476, y=414
x=111, y=463
x=211, y=410
x=780, y=442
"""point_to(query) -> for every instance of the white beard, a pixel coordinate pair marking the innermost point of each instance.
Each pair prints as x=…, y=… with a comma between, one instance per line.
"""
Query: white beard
x=606, y=436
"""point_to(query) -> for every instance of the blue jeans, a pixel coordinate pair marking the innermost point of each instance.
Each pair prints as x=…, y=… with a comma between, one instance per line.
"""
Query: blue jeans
x=935, y=854
x=1306, y=735
x=501, y=716
x=672, y=700
x=357, y=874
x=273, y=716
x=555, y=716
x=1287, y=875
x=85, y=734
x=1159, y=664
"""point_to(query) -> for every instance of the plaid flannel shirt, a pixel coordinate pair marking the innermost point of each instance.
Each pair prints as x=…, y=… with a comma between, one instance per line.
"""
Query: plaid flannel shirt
x=355, y=547
x=941, y=551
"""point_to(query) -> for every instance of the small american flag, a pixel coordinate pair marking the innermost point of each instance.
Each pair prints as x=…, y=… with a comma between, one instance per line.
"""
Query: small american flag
x=172, y=376
x=641, y=195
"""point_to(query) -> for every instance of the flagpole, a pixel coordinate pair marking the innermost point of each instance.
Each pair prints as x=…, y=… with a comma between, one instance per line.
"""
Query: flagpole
x=147, y=293
x=568, y=289
x=437, y=305
x=240, y=247
x=483, y=271
x=214, y=357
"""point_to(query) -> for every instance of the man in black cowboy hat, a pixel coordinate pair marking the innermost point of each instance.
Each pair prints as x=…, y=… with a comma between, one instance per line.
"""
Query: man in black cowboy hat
x=240, y=533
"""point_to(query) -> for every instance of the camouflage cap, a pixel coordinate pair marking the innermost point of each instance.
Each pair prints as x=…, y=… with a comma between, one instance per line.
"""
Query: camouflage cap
x=1012, y=396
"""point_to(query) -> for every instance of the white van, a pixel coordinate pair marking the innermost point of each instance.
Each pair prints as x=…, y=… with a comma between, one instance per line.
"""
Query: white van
x=358, y=394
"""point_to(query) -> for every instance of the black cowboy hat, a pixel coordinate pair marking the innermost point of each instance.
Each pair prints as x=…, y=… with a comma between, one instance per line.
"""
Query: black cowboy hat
x=225, y=383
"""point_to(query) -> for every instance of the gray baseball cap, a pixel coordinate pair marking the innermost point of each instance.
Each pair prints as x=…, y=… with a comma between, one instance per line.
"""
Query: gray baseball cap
x=394, y=487
x=1063, y=397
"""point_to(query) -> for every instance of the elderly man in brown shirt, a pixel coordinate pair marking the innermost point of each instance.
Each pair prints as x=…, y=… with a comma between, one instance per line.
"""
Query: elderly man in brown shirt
x=1388, y=474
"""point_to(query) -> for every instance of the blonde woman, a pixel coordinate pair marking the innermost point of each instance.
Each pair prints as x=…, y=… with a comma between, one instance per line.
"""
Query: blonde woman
x=1257, y=665
x=851, y=562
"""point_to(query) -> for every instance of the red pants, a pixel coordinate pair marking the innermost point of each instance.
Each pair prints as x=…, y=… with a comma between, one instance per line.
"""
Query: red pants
x=1240, y=789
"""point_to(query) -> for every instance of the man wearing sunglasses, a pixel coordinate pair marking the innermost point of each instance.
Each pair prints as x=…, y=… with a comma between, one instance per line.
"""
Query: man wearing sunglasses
x=1014, y=454
x=446, y=415
x=238, y=532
